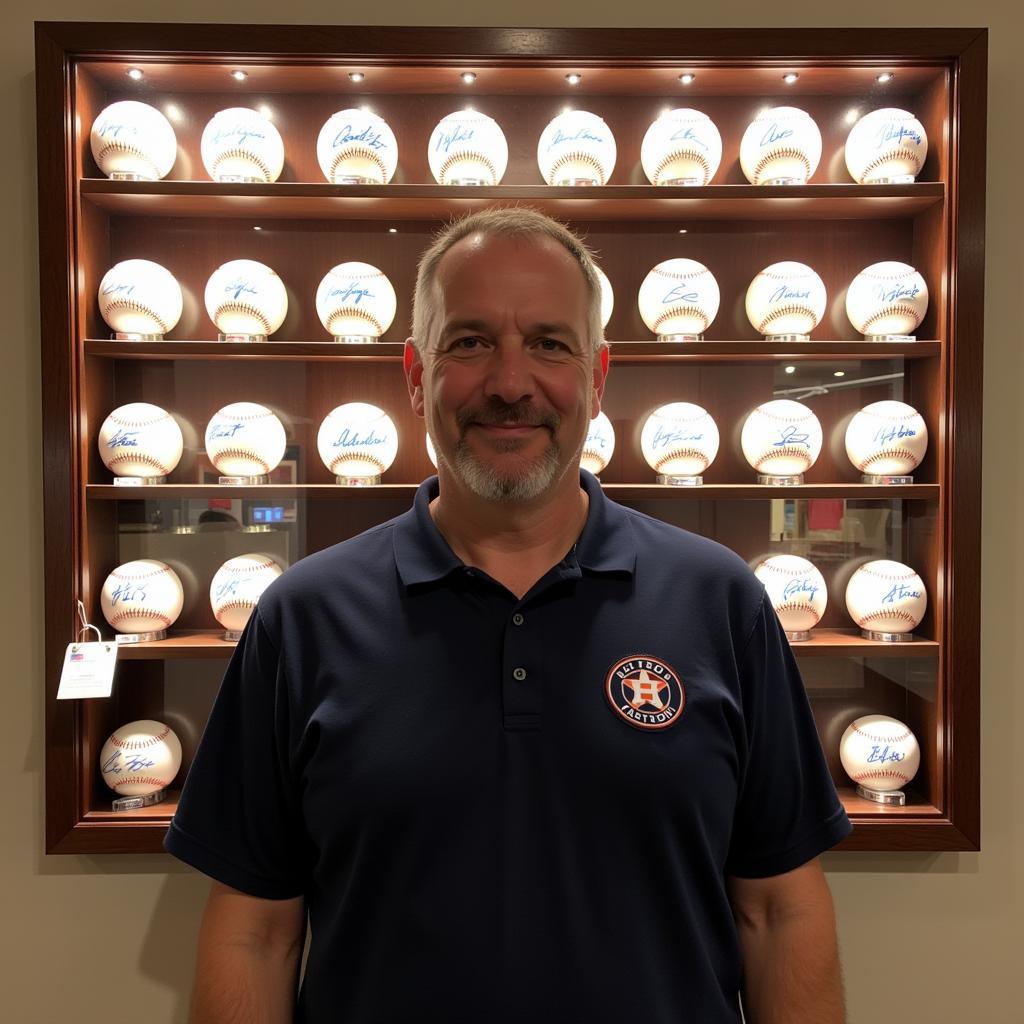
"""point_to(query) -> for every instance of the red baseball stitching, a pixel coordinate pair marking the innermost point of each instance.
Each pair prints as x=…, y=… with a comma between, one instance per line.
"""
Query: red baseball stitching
x=346, y=311
x=241, y=154
x=891, y=156
x=127, y=305
x=777, y=314
x=897, y=310
x=691, y=154
x=682, y=453
x=238, y=453
x=454, y=158
x=363, y=151
x=370, y=460
x=780, y=154
x=889, y=453
x=693, y=311
x=566, y=158
x=241, y=307
x=139, y=744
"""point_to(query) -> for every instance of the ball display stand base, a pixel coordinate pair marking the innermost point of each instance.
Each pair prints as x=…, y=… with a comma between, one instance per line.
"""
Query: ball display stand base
x=139, y=481
x=795, y=636
x=133, y=803
x=685, y=182
x=254, y=339
x=787, y=337
x=774, y=480
x=894, y=179
x=135, y=336
x=354, y=179
x=357, y=481
x=785, y=181
x=233, y=635
x=575, y=182
x=887, y=479
x=894, y=798
x=671, y=480
x=243, y=481
x=356, y=339
x=467, y=181
x=141, y=638
x=258, y=528
x=888, y=638
x=680, y=337
x=242, y=179
x=130, y=176
x=890, y=337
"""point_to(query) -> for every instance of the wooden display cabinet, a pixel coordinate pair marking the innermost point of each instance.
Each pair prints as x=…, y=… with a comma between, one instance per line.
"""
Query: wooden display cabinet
x=191, y=225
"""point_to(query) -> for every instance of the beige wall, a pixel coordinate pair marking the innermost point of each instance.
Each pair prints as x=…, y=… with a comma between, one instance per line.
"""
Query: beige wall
x=926, y=939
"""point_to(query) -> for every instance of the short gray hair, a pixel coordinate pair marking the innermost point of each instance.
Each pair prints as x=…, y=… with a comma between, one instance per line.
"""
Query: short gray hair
x=502, y=222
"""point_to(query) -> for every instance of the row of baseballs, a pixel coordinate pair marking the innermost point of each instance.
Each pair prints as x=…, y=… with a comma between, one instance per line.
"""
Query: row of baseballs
x=146, y=595
x=357, y=439
x=782, y=145
x=877, y=752
x=678, y=297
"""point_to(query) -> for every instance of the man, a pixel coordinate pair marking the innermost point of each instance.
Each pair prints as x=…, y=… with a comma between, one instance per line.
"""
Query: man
x=521, y=754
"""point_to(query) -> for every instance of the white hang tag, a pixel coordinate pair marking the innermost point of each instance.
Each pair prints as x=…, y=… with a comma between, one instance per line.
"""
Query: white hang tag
x=88, y=670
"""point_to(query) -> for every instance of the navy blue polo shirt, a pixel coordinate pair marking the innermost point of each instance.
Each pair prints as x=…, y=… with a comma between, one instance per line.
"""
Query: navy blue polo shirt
x=505, y=810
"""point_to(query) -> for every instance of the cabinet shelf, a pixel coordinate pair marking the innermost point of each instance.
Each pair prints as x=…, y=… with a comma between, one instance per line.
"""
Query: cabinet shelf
x=304, y=200
x=618, y=492
x=621, y=351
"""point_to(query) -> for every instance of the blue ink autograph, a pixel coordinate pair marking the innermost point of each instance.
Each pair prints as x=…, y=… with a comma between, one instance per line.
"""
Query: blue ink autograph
x=583, y=135
x=663, y=438
x=446, y=140
x=687, y=134
x=796, y=587
x=238, y=287
x=898, y=593
x=679, y=294
x=898, y=292
x=115, y=289
x=787, y=294
x=891, y=432
x=226, y=429
x=225, y=136
x=353, y=439
x=128, y=592
x=367, y=135
x=124, y=439
x=132, y=763
x=774, y=134
x=892, y=131
x=791, y=436
x=348, y=291
x=883, y=755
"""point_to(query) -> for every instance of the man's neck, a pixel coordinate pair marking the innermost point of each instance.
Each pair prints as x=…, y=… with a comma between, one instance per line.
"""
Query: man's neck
x=516, y=543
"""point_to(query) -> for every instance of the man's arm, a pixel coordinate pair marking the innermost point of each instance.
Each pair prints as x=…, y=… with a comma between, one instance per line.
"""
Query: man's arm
x=247, y=960
x=791, y=959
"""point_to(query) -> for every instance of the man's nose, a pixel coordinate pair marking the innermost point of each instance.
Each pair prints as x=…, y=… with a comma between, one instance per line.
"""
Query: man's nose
x=510, y=376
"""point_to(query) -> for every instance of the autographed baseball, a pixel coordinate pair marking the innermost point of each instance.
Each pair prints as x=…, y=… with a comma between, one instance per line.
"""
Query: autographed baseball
x=140, y=297
x=133, y=140
x=887, y=439
x=356, y=147
x=886, y=145
x=140, y=757
x=467, y=148
x=796, y=590
x=140, y=439
x=679, y=296
x=246, y=297
x=357, y=440
x=879, y=753
x=607, y=296
x=887, y=298
x=356, y=300
x=599, y=444
x=143, y=596
x=683, y=147
x=886, y=597
x=245, y=439
x=240, y=144
x=781, y=438
x=679, y=439
x=785, y=298
x=576, y=148
x=781, y=145
x=237, y=586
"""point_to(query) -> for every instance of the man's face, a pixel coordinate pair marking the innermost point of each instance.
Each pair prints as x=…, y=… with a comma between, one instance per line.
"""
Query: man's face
x=507, y=381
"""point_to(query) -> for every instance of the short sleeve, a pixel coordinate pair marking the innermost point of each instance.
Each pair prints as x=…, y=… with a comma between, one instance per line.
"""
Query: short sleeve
x=788, y=811
x=237, y=820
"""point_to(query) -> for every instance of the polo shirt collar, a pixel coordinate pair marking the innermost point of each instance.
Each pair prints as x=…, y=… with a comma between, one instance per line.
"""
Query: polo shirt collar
x=422, y=555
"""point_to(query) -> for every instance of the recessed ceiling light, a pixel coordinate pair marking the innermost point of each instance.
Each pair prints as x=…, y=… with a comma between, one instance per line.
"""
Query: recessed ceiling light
x=790, y=369
x=256, y=227
x=468, y=77
x=173, y=111
x=839, y=373
x=573, y=78
x=852, y=115
x=687, y=78
x=239, y=76
x=392, y=231
x=135, y=74
x=683, y=231
x=266, y=112
x=790, y=78
x=356, y=76
x=885, y=76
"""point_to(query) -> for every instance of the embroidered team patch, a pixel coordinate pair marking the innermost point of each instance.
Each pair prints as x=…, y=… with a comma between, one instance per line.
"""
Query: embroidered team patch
x=646, y=692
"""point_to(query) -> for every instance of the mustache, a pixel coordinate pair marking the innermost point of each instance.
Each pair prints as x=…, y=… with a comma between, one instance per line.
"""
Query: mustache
x=497, y=412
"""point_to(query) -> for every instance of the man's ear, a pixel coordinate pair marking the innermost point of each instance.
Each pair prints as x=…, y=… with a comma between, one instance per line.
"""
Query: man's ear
x=600, y=375
x=412, y=364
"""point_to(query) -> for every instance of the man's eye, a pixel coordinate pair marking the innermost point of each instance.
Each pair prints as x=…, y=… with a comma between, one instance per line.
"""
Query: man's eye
x=466, y=344
x=553, y=345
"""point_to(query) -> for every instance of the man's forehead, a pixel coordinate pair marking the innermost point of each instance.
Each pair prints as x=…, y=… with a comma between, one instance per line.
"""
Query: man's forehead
x=474, y=249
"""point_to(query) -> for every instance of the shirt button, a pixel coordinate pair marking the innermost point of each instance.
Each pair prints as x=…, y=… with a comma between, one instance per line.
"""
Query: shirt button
x=517, y=619
x=519, y=674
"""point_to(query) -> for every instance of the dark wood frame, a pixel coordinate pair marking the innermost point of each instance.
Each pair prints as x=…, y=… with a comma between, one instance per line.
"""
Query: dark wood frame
x=959, y=373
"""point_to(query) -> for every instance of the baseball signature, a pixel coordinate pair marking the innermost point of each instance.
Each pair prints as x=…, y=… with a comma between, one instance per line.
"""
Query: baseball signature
x=124, y=439
x=114, y=129
x=663, y=438
x=595, y=439
x=348, y=291
x=890, y=432
x=367, y=135
x=230, y=587
x=795, y=587
x=791, y=435
x=353, y=439
x=891, y=131
x=132, y=763
x=122, y=289
x=583, y=135
x=240, y=133
x=687, y=134
x=900, y=291
x=239, y=287
x=128, y=592
x=774, y=134
x=898, y=593
x=786, y=294
x=219, y=430
x=446, y=140
x=679, y=294
x=883, y=755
